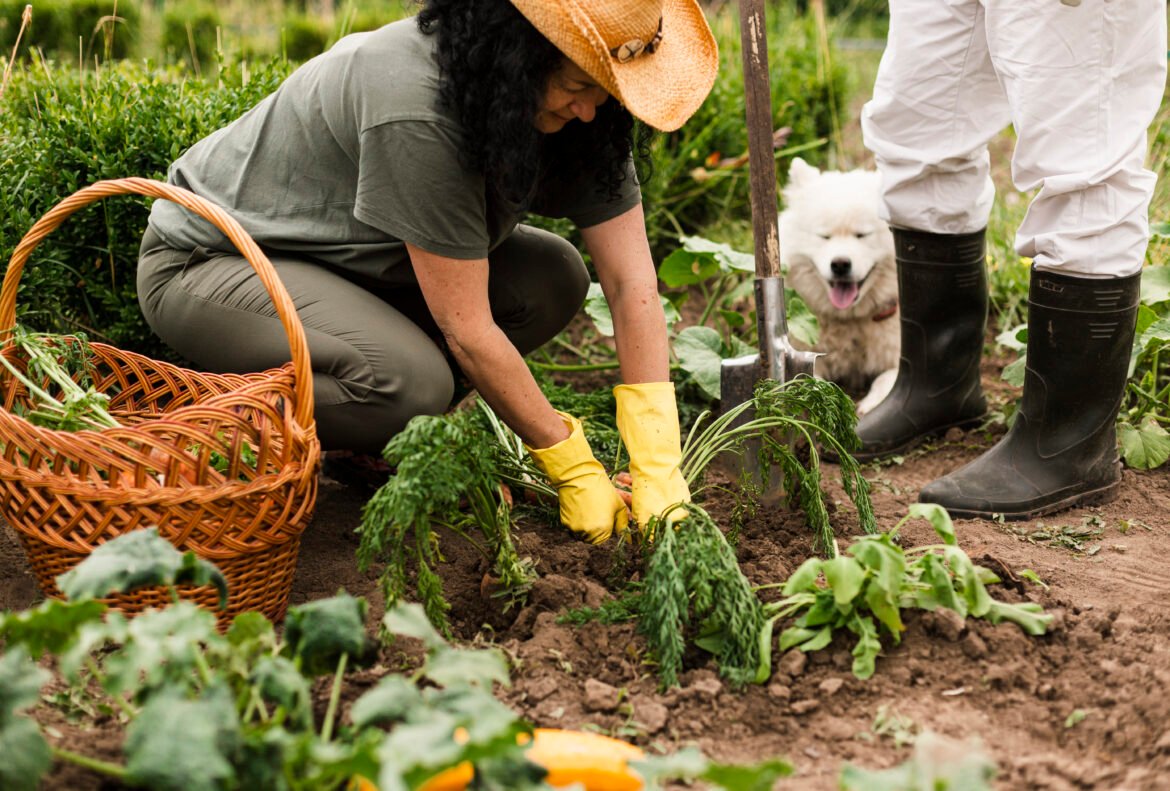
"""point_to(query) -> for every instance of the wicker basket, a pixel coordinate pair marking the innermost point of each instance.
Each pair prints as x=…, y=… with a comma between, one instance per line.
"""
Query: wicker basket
x=67, y=492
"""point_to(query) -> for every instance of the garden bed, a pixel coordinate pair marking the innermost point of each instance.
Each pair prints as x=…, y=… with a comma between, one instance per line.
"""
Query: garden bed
x=1082, y=707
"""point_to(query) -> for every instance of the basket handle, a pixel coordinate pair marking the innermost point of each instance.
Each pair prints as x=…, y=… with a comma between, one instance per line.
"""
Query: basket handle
x=302, y=373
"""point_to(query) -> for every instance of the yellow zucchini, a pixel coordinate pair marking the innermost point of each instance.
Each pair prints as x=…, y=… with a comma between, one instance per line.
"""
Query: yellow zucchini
x=596, y=762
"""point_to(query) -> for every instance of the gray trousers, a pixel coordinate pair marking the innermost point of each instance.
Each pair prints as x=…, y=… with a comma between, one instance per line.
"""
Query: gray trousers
x=378, y=358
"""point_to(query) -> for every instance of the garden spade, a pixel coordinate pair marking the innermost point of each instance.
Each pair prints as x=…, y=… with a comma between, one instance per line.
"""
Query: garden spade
x=777, y=358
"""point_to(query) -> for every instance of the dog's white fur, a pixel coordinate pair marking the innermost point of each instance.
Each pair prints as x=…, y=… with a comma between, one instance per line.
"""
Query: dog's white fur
x=832, y=240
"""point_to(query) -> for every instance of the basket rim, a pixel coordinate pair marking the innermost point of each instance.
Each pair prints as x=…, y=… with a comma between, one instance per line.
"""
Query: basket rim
x=286, y=310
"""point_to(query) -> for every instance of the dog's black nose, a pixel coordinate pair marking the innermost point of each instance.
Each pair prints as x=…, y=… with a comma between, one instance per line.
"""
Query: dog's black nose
x=841, y=266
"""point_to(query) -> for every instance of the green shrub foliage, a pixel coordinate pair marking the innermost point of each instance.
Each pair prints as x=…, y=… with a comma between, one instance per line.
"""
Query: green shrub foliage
x=68, y=29
x=303, y=37
x=62, y=130
x=190, y=32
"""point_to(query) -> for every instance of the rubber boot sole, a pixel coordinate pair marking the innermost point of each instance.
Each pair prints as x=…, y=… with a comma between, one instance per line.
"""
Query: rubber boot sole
x=1098, y=496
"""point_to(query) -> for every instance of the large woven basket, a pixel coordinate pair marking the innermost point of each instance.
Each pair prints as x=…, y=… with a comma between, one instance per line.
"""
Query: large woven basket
x=67, y=492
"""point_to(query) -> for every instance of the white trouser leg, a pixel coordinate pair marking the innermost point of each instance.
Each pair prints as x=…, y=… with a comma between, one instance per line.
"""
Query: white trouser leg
x=936, y=104
x=1084, y=83
x=1080, y=83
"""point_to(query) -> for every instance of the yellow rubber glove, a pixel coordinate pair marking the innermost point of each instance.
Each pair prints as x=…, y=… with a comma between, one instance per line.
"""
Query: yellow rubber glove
x=590, y=504
x=647, y=419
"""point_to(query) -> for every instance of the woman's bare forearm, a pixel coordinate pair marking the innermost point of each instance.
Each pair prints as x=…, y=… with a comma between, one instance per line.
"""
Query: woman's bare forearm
x=502, y=379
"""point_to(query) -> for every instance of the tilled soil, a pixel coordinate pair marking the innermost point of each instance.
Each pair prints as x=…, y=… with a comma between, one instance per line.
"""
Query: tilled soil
x=1085, y=706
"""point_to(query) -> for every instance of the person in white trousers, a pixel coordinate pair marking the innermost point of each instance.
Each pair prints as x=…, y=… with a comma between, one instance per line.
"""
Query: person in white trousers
x=1080, y=81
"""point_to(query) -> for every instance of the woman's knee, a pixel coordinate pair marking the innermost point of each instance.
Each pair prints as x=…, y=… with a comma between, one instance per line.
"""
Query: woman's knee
x=362, y=411
x=538, y=283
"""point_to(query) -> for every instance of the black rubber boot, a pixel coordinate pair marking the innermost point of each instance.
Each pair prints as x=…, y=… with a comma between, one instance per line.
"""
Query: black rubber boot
x=942, y=291
x=1062, y=449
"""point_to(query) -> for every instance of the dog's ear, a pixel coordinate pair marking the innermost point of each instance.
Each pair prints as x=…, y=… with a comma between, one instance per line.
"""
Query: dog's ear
x=801, y=173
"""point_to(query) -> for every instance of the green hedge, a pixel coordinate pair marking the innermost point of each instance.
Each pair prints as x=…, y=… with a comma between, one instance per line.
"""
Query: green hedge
x=61, y=133
x=67, y=29
x=189, y=34
x=303, y=37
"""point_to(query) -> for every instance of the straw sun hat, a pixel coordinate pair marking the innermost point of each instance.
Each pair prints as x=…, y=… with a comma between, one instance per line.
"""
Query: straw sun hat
x=657, y=57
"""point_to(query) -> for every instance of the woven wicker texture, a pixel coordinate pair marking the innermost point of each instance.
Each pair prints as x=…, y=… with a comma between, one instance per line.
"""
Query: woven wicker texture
x=66, y=492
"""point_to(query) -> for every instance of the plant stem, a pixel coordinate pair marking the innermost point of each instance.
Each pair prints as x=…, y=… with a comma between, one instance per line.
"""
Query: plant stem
x=713, y=300
x=25, y=19
x=578, y=367
x=569, y=347
x=466, y=537
x=96, y=672
x=258, y=703
x=93, y=764
x=334, y=699
x=204, y=669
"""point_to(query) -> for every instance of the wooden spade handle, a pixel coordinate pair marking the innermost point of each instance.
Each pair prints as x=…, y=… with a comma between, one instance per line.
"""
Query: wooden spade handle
x=757, y=90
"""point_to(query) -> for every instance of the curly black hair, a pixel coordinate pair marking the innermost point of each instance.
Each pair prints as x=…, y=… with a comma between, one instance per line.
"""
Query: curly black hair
x=494, y=70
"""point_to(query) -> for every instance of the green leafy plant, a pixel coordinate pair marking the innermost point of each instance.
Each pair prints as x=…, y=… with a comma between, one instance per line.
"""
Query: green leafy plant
x=190, y=34
x=201, y=710
x=938, y=764
x=73, y=29
x=58, y=377
x=865, y=591
x=722, y=278
x=441, y=463
x=788, y=422
x=62, y=129
x=208, y=711
x=693, y=589
x=303, y=36
x=1145, y=413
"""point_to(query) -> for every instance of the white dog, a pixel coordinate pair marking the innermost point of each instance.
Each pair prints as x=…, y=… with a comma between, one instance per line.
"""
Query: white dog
x=838, y=255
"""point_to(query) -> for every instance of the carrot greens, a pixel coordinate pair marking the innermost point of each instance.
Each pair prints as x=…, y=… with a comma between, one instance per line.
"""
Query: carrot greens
x=58, y=377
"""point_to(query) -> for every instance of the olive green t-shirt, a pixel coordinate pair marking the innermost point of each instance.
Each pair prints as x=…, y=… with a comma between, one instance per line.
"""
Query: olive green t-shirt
x=353, y=156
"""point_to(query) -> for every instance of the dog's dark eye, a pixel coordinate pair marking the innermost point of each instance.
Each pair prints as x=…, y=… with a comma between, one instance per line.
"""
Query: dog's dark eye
x=862, y=234
x=824, y=236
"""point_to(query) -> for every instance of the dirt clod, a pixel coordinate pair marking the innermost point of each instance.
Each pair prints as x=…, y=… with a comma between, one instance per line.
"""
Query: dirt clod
x=973, y=646
x=946, y=623
x=831, y=686
x=651, y=714
x=600, y=696
x=793, y=663
x=541, y=688
x=805, y=706
x=779, y=691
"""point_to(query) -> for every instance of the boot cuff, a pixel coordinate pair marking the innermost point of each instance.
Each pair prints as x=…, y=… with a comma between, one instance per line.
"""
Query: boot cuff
x=1088, y=294
x=938, y=248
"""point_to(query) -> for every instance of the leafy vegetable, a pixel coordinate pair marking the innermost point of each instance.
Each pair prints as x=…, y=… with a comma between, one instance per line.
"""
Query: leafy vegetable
x=693, y=587
x=141, y=558
x=783, y=418
x=209, y=711
x=26, y=753
x=57, y=377
x=692, y=591
x=1142, y=425
x=440, y=463
x=866, y=589
x=936, y=765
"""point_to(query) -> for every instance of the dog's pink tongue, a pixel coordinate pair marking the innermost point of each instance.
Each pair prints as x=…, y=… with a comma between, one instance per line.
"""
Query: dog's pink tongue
x=843, y=294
